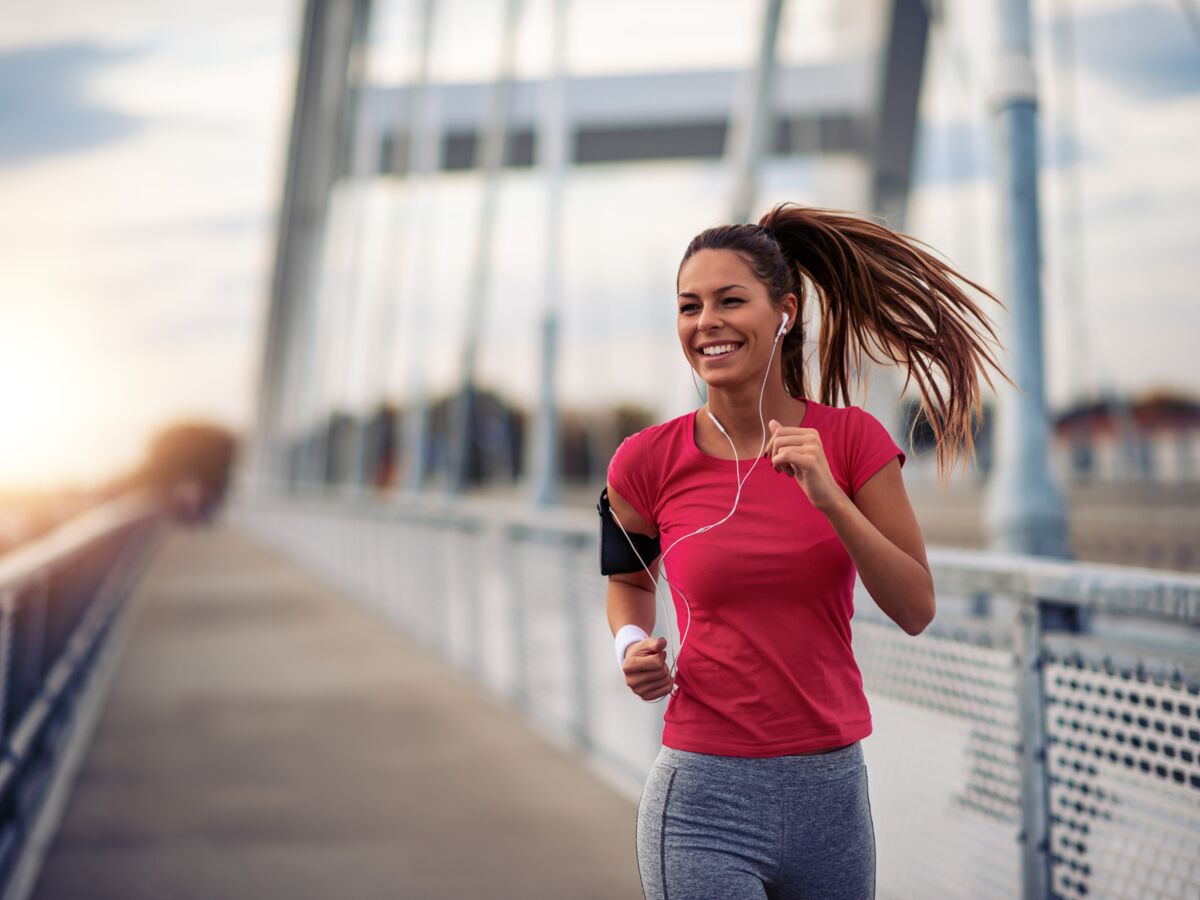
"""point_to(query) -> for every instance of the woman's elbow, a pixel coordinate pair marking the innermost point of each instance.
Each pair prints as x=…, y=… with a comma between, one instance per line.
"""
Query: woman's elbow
x=921, y=622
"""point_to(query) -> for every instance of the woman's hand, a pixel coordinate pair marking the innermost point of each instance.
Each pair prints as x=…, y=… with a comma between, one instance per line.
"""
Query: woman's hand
x=645, y=668
x=798, y=452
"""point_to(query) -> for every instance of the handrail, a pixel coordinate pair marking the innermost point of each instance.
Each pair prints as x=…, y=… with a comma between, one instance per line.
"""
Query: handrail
x=1127, y=590
x=59, y=596
x=25, y=561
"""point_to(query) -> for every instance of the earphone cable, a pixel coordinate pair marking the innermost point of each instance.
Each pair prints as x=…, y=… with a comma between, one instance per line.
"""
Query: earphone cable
x=737, y=497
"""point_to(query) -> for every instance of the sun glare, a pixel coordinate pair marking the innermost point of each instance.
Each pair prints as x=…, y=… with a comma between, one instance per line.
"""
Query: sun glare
x=38, y=398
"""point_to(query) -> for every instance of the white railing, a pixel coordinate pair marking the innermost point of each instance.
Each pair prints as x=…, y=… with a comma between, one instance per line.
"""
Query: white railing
x=1039, y=739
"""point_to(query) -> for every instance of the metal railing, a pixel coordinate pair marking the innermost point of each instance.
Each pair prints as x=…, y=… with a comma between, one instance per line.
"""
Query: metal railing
x=1039, y=739
x=58, y=598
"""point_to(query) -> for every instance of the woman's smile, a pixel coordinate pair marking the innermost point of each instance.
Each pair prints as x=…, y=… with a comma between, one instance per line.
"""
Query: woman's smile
x=719, y=352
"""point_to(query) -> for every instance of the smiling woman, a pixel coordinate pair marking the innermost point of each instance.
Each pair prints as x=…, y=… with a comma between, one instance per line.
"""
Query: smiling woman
x=804, y=495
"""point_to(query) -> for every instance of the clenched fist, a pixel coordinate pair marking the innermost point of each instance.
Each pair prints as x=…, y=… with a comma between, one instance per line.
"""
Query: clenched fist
x=645, y=668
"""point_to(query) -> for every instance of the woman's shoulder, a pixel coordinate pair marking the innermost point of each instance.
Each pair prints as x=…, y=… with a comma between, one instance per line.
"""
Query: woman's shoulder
x=653, y=439
x=843, y=417
x=848, y=429
x=868, y=441
x=859, y=419
x=669, y=430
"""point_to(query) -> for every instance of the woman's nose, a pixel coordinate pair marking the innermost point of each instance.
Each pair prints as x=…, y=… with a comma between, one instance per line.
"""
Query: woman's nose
x=709, y=318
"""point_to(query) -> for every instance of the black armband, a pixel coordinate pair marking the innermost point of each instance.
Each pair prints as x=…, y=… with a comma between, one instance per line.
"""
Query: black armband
x=616, y=554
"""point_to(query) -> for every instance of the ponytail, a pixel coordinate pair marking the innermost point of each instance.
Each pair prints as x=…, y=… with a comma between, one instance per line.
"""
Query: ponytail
x=875, y=287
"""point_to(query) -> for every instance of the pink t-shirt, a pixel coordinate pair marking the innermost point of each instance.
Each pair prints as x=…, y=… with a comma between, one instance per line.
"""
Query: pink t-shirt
x=767, y=667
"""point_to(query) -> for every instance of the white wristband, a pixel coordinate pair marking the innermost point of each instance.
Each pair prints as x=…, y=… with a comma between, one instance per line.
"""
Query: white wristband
x=628, y=634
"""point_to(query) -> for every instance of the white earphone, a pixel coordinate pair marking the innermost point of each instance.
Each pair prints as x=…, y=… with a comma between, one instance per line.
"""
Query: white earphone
x=782, y=331
x=740, y=481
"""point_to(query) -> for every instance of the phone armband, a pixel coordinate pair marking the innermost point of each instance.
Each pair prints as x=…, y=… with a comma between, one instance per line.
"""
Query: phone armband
x=618, y=553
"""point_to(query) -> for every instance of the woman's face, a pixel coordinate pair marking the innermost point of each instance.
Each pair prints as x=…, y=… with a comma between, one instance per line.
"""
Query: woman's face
x=723, y=307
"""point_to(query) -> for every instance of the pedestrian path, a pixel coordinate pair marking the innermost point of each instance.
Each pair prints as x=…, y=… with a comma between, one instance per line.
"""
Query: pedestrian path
x=266, y=738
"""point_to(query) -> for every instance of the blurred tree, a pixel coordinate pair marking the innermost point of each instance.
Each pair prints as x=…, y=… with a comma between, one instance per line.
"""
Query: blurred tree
x=187, y=464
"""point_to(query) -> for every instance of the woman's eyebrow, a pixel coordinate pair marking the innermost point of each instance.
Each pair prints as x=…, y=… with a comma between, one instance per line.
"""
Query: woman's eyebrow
x=720, y=290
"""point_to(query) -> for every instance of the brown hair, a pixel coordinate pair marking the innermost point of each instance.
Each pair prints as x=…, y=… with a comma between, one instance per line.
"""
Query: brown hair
x=874, y=285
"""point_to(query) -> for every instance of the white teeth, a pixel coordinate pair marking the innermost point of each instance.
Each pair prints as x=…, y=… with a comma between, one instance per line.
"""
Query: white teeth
x=719, y=349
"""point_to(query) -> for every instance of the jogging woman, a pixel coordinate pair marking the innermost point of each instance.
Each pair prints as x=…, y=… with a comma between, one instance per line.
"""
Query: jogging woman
x=760, y=787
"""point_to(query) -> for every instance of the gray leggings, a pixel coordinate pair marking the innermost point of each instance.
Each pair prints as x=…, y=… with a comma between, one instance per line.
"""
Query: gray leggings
x=780, y=827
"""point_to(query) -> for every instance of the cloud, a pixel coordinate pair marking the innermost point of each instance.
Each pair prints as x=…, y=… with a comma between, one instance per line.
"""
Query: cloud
x=1145, y=49
x=45, y=109
x=237, y=224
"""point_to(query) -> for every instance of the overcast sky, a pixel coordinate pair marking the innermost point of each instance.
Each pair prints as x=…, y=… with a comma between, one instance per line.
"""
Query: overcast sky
x=141, y=146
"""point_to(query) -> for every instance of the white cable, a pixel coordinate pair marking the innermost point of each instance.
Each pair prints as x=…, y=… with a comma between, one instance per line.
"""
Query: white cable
x=737, y=497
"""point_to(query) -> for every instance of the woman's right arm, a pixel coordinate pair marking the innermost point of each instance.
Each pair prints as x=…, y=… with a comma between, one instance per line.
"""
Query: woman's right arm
x=631, y=600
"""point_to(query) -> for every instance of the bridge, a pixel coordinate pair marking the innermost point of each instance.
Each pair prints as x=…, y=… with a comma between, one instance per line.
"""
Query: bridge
x=417, y=698
x=381, y=673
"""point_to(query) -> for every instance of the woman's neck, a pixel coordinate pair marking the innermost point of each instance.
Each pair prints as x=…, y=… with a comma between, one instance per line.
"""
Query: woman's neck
x=737, y=412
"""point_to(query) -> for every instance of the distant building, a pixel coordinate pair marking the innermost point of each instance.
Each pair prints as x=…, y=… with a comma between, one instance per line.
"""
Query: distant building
x=1155, y=437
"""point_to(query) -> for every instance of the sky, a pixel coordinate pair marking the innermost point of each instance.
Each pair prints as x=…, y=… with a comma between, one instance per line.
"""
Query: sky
x=141, y=153
x=140, y=165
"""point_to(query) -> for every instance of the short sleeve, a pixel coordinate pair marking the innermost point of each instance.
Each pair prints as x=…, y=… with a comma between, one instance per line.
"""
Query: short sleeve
x=631, y=474
x=869, y=447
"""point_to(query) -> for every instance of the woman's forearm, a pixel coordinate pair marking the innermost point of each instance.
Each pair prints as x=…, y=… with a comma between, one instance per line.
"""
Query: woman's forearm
x=897, y=582
x=629, y=605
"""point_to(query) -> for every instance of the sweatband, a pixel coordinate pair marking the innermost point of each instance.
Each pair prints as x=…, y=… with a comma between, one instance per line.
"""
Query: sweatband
x=626, y=635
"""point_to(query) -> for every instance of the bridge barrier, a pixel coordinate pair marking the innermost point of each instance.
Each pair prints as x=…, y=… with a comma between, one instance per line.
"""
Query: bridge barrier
x=1039, y=739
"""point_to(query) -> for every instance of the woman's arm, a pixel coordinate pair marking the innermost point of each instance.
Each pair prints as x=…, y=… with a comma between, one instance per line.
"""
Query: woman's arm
x=629, y=604
x=631, y=594
x=882, y=536
x=631, y=600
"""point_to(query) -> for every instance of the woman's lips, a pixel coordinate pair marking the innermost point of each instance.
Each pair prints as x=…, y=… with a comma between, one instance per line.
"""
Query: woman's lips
x=722, y=357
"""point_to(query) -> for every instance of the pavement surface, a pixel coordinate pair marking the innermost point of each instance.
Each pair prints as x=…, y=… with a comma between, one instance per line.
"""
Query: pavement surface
x=266, y=738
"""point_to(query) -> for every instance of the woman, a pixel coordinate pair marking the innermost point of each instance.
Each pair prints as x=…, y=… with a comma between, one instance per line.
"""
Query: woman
x=760, y=789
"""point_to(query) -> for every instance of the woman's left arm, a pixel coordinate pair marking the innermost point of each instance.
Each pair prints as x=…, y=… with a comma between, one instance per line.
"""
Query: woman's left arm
x=880, y=532
x=877, y=528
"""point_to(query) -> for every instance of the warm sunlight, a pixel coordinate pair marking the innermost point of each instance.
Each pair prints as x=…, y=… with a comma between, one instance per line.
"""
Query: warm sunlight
x=40, y=391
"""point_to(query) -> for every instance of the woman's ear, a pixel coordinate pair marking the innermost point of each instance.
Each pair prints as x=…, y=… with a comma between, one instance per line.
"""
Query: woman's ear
x=790, y=306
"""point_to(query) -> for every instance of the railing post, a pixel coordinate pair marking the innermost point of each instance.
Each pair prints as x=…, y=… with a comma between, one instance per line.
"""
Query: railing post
x=474, y=538
x=1035, y=795
x=979, y=604
x=8, y=604
x=1035, y=619
x=577, y=629
x=517, y=614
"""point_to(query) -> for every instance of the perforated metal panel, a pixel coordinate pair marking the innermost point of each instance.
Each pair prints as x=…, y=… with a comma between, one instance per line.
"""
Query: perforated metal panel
x=944, y=761
x=1123, y=777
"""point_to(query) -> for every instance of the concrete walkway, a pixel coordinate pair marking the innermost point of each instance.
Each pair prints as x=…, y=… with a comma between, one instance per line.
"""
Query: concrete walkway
x=265, y=738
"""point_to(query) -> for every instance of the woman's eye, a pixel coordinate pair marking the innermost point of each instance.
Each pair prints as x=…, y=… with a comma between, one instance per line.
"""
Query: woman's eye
x=688, y=307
